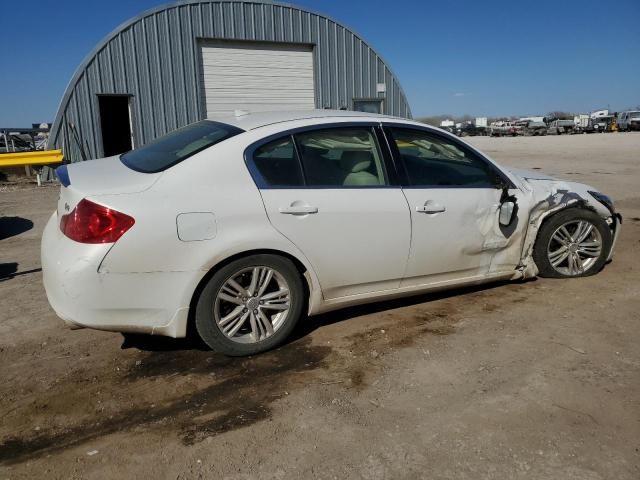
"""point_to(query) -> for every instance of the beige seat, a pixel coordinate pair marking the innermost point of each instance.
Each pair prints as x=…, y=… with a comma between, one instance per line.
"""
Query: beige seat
x=357, y=165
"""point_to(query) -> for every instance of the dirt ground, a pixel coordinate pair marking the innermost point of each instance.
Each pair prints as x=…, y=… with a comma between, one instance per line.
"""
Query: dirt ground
x=534, y=380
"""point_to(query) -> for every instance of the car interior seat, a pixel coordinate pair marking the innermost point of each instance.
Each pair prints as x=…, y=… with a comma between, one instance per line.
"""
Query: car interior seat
x=357, y=166
x=320, y=170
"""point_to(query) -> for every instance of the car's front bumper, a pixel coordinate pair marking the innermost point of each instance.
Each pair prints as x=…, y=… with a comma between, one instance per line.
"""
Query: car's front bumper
x=615, y=224
x=150, y=302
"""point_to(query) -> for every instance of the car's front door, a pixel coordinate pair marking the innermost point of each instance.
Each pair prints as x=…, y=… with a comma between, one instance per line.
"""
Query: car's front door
x=454, y=201
x=328, y=191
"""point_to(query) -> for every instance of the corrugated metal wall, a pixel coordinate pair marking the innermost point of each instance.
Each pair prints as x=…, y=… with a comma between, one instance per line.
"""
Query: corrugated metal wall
x=155, y=58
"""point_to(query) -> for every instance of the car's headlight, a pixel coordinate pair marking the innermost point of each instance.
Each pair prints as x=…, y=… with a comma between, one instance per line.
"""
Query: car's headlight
x=603, y=199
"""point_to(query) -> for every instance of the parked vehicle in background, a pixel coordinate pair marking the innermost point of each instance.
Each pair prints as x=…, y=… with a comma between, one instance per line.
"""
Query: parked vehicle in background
x=532, y=128
x=629, y=120
x=503, y=128
x=605, y=123
x=537, y=118
x=481, y=122
x=469, y=129
x=583, y=124
x=448, y=126
x=301, y=213
x=559, y=127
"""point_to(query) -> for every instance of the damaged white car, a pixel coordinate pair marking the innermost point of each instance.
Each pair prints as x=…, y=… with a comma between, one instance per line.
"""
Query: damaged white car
x=241, y=227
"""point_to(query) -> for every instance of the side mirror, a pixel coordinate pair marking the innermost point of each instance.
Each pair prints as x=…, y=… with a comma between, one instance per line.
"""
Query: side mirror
x=507, y=212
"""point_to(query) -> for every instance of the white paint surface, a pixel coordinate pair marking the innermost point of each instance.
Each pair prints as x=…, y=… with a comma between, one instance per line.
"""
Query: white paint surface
x=363, y=244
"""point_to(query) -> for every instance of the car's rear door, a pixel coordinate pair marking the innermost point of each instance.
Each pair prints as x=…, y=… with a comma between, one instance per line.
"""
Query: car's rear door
x=454, y=205
x=328, y=190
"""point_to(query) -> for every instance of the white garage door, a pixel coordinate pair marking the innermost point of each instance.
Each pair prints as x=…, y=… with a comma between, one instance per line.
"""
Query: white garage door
x=256, y=78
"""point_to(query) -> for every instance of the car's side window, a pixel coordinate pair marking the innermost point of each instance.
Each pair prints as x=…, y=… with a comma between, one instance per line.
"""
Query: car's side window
x=341, y=157
x=278, y=164
x=434, y=161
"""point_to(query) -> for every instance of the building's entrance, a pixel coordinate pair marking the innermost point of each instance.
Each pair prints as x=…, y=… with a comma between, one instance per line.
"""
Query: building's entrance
x=256, y=77
x=115, y=123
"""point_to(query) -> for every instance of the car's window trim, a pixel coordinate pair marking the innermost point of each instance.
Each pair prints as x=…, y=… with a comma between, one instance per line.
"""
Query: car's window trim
x=262, y=184
x=406, y=183
x=393, y=175
x=296, y=152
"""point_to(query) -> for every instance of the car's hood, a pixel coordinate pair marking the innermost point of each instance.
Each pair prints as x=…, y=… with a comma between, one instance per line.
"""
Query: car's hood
x=544, y=186
x=550, y=192
x=530, y=174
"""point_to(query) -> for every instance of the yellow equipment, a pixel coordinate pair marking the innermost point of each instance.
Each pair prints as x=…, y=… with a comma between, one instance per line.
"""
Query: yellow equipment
x=37, y=160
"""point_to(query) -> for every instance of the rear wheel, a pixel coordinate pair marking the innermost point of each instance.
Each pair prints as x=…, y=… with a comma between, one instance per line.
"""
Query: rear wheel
x=250, y=305
x=572, y=243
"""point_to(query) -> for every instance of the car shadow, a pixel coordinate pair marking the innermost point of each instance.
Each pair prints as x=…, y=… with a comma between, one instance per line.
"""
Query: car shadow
x=156, y=343
x=10, y=270
x=310, y=324
x=12, y=226
x=307, y=325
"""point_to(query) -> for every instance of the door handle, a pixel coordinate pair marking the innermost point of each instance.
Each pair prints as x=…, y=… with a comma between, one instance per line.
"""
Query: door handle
x=430, y=207
x=298, y=210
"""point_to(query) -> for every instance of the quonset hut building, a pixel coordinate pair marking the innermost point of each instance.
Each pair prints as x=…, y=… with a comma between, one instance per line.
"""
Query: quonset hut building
x=190, y=60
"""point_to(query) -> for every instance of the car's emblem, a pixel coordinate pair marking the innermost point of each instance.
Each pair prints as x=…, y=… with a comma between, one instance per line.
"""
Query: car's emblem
x=66, y=207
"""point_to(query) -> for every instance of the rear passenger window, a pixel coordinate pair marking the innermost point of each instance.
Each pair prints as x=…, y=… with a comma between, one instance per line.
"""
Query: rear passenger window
x=341, y=157
x=277, y=164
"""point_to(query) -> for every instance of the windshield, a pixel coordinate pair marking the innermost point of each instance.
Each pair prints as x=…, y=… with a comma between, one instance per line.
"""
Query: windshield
x=170, y=149
x=634, y=114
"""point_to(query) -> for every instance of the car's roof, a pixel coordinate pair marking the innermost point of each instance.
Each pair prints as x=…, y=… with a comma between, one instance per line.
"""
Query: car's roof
x=250, y=121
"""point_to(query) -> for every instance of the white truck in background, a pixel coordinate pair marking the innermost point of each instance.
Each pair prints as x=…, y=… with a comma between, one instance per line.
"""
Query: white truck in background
x=629, y=120
x=448, y=125
x=581, y=121
x=602, y=121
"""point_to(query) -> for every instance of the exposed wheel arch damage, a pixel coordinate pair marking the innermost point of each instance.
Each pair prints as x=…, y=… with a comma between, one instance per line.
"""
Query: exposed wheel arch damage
x=551, y=198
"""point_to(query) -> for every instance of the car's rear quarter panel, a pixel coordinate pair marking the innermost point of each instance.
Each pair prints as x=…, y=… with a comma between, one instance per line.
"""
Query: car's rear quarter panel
x=214, y=181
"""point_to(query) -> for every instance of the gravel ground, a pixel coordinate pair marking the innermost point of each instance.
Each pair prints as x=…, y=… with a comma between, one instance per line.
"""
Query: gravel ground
x=532, y=380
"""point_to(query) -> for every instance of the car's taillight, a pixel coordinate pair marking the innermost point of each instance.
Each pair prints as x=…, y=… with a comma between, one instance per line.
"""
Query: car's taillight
x=89, y=222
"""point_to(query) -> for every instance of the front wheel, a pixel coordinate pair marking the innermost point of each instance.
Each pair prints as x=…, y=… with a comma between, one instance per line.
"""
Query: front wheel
x=572, y=243
x=250, y=305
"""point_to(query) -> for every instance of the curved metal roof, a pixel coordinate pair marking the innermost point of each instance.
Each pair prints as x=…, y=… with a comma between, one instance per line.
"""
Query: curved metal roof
x=82, y=120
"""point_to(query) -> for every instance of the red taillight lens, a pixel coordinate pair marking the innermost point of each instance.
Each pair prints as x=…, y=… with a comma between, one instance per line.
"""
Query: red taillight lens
x=89, y=222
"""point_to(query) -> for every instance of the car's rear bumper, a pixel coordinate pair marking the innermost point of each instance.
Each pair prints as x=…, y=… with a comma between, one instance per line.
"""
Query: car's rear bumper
x=150, y=302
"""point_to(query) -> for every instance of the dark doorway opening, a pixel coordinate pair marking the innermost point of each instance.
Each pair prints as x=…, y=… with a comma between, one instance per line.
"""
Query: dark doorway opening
x=115, y=123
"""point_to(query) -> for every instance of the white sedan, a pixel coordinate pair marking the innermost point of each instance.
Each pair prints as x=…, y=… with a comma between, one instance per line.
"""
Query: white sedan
x=243, y=226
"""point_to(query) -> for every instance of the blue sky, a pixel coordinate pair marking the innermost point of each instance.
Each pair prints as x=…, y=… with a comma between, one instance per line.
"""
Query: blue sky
x=465, y=56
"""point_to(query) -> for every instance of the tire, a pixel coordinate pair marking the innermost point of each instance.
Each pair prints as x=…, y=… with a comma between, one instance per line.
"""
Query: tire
x=548, y=247
x=260, y=311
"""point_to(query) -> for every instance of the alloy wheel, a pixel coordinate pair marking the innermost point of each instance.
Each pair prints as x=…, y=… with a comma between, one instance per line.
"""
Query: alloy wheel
x=574, y=247
x=252, y=304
